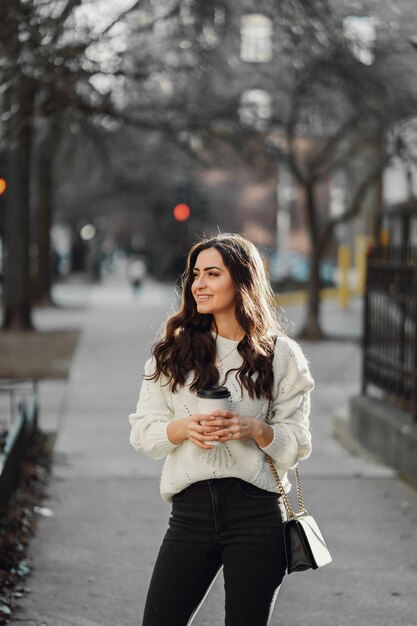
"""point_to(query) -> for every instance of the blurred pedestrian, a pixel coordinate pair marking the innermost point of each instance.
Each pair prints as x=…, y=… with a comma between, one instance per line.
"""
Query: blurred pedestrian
x=136, y=271
x=225, y=508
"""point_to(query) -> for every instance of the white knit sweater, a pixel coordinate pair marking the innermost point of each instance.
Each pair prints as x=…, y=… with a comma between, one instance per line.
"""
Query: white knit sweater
x=186, y=463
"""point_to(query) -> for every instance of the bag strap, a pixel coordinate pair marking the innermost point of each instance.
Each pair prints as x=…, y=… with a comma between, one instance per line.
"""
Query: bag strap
x=301, y=508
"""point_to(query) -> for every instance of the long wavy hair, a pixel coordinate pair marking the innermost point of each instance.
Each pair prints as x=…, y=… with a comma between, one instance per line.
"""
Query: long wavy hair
x=188, y=344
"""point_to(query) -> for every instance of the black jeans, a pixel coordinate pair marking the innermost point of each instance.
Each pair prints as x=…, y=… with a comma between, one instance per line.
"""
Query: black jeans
x=221, y=522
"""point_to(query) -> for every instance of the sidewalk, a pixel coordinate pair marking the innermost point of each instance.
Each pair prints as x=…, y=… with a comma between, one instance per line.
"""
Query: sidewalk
x=93, y=559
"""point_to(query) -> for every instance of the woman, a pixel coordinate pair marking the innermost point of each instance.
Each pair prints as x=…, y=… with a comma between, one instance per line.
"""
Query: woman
x=225, y=508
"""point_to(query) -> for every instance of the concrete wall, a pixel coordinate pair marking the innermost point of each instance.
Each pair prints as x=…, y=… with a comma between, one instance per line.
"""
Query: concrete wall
x=386, y=431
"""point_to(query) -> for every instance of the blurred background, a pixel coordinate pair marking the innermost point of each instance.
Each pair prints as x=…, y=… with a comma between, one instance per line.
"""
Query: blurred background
x=129, y=130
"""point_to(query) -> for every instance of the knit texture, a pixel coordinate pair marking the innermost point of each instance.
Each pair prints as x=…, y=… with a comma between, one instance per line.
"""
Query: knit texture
x=186, y=463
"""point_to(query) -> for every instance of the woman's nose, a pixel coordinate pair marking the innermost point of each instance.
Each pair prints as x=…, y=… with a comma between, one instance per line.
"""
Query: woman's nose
x=200, y=282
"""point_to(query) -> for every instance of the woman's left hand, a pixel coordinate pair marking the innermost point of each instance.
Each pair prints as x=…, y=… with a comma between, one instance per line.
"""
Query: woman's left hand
x=229, y=426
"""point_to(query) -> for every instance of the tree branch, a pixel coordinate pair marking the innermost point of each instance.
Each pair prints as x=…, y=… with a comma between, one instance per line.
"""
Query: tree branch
x=356, y=203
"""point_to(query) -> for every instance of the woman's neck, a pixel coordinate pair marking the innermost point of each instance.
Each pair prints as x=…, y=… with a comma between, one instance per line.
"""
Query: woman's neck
x=229, y=328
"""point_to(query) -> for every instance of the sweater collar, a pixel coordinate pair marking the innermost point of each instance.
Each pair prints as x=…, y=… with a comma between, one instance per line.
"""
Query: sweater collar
x=223, y=344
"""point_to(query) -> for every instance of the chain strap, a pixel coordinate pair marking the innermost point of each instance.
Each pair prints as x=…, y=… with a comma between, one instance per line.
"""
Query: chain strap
x=290, y=511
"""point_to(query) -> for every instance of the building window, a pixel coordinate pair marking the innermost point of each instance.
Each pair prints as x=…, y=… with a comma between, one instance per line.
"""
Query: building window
x=256, y=38
x=361, y=35
x=255, y=108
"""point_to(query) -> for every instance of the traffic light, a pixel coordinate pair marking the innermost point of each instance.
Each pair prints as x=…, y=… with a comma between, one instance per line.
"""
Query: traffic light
x=3, y=186
x=181, y=212
x=182, y=191
x=182, y=209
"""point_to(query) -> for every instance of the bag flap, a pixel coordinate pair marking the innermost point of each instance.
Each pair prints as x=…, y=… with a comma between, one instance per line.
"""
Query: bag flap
x=315, y=539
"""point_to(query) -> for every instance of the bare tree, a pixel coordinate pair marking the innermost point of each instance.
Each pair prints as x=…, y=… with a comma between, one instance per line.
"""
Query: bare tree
x=50, y=61
x=340, y=115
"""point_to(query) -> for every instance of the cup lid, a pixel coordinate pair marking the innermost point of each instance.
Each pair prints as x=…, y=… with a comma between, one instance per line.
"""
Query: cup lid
x=213, y=392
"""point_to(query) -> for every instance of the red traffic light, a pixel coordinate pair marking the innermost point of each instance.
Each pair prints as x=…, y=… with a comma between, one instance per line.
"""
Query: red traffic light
x=181, y=212
x=3, y=186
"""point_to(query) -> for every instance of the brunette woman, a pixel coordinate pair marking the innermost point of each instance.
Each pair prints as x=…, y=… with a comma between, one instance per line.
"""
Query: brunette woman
x=225, y=509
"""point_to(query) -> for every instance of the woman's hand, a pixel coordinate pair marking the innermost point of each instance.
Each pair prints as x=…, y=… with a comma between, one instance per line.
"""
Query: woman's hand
x=194, y=428
x=230, y=426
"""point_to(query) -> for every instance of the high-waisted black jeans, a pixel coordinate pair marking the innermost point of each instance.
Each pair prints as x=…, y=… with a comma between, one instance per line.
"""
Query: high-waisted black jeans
x=221, y=522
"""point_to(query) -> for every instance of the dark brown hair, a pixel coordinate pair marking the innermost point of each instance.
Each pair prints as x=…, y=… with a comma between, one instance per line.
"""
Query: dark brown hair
x=188, y=344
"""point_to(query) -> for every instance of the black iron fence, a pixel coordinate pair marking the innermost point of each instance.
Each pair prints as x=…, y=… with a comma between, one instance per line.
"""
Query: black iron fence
x=19, y=424
x=390, y=335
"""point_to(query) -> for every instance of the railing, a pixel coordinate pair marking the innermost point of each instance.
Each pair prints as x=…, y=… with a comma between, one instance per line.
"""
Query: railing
x=390, y=334
x=19, y=428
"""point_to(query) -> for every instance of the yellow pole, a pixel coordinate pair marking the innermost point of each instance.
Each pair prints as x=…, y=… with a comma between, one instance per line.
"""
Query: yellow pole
x=343, y=256
x=384, y=237
x=361, y=245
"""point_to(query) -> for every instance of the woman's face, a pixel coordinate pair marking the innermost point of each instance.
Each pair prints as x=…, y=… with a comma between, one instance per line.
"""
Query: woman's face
x=213, y=288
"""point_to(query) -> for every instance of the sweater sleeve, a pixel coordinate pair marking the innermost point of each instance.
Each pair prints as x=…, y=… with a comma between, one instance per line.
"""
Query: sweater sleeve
x=150, y=421
x=290, y=405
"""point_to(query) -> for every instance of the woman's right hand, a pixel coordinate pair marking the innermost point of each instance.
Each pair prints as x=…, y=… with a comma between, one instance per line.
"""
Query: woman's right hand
x=194, y=429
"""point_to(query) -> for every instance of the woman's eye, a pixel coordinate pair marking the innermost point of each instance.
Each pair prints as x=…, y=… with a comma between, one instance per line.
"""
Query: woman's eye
x=209, y=273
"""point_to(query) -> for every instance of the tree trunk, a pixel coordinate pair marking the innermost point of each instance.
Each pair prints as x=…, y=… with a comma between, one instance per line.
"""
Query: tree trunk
x=379, y=198
x=44, y=182
x=17, y=303
x=312, y=328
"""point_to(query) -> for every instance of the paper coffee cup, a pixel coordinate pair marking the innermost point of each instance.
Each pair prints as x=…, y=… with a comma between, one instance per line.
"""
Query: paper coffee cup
x=213, y=399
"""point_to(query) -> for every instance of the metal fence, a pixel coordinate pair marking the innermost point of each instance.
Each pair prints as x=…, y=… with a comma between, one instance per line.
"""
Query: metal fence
x=390, y=336
x=22, y=397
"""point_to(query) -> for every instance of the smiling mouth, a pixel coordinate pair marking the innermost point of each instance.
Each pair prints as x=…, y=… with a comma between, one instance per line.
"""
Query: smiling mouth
x=203, y=298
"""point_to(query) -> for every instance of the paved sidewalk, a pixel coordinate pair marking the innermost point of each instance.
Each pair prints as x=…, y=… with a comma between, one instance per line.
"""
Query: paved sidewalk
x=93, y=559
